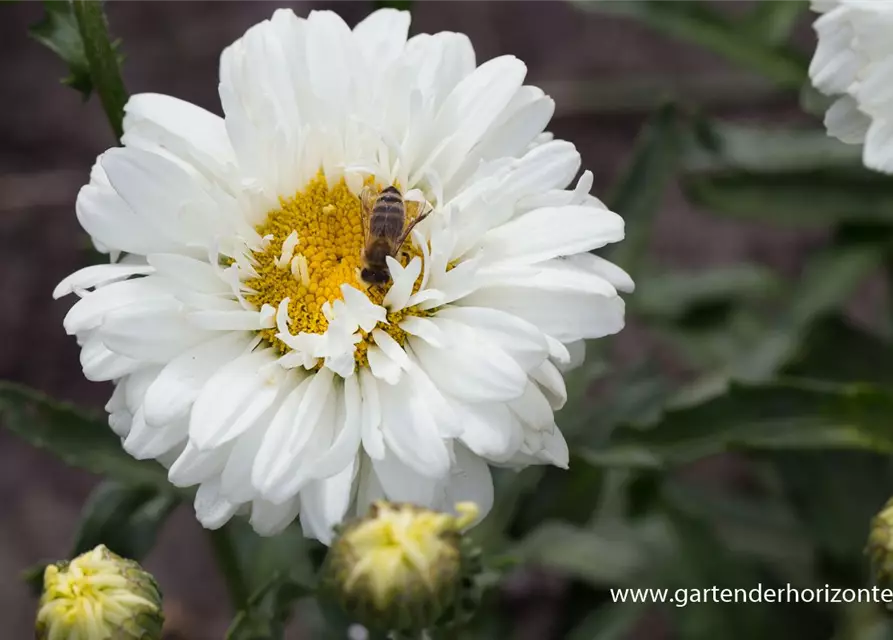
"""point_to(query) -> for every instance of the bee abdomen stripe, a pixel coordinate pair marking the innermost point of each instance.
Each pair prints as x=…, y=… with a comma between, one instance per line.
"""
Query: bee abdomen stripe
x=386, y=209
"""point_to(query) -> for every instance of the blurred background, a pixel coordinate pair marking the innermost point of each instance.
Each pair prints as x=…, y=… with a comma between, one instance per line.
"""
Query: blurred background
x=737, y=271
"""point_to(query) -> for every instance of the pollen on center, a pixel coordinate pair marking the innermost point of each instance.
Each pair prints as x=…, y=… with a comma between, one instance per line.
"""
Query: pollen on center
x=313, y=243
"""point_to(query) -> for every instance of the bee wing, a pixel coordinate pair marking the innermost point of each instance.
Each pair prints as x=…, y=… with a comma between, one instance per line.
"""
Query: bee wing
x=368, y=196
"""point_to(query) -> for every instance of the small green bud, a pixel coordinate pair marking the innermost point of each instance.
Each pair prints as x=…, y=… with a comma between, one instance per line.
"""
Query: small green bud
x=99, y=596
x=880, y=546
x=403, y=568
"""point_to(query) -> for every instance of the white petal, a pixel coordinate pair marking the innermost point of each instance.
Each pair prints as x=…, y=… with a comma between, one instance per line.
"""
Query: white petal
x=212, y=510
x=470, y=482
x=234, y=398
x=424, y=329
x=100, y=364
x=490, y=430
x=404, y=279
x=98, y=275
x=517, y=337
x=565, y=315
x=550, y=232
x=324, y=503
x=470, y=367
x=144, y=441
x=382, y=35
x=109, y=220
x=878, y=153
x=383, y=367
x=551, y=381
x=533, y=409
x=234, y=320
x=196, y=275
x=411, y=431
x=373, y=440
x=89, y=311
x=194, y=466
x=184, y=129
x=845, y=122
x=150, y=336
x=270, y=519
x=171, y=396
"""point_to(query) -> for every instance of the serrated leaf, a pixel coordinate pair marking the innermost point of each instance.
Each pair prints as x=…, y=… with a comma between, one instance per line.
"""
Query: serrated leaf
x=58, y=31
x=75, y=437
x=77, y=32
x=780, y=415
x=696, y=22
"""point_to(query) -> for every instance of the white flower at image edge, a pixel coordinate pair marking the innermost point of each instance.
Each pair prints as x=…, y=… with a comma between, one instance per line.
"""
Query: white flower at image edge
x=854, y=62
x=247, y=355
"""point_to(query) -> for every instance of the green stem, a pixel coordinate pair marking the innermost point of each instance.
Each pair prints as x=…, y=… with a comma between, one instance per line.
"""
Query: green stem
x=228, y=561
x=105, y=67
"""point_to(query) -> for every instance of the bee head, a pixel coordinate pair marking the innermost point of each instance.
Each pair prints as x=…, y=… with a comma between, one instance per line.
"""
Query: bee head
x=375, y=276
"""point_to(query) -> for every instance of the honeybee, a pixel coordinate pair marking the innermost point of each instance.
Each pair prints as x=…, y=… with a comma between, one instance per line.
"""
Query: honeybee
x=385, y=229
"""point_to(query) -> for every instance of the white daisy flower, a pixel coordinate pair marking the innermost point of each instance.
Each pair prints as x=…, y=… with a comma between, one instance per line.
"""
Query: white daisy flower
x=854, y=60
x=247, y=352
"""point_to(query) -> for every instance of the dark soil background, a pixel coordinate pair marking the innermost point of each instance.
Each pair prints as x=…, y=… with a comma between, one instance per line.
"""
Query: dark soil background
x=605, y=73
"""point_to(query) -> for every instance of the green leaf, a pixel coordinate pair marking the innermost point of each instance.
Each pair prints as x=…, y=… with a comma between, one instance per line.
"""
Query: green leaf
x=762, y=528
x=776, y=20
x=674, y=296
x=610, y=553
x=267, y=610
x=401, y=5
x=716, y=146
x=76, y=31
x=640, y=189
x=742, y=43
x=803, y=198
x=126, y=519
x=610, y=622
x=836, y=493
x=778, y=415
x=104, y=61
x=758, y=349
x=838, y=351
x=266, y=575
x=58, y=31
x=78, y=439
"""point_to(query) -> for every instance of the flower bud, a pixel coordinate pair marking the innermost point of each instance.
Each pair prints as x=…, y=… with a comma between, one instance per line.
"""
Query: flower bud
x=403, y=568
x=99, y=596
x=880, y=545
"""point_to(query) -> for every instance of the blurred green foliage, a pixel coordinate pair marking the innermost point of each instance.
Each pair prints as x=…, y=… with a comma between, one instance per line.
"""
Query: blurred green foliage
x=759, y=457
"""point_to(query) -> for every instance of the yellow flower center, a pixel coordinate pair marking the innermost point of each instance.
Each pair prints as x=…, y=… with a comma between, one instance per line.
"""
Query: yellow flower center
x=400, y=545
x=313, y=244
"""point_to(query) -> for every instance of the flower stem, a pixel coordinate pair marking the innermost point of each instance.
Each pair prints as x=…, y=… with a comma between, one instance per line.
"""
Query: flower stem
x=228, y=561
x=105, y=66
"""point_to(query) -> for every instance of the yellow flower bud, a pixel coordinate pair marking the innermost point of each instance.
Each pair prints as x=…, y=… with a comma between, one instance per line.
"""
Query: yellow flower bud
x=99, y=596
x=402, y=567
x=880, y=545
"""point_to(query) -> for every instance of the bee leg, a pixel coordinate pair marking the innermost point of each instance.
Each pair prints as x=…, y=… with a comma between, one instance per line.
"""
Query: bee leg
x=412, y=225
